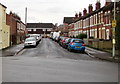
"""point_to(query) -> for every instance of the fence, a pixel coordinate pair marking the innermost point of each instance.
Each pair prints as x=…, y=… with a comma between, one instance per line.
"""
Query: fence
x=96, y=43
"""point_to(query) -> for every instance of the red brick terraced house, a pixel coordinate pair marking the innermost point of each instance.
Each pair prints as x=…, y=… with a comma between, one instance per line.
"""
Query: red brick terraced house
x=18, y=29
x=97, y=23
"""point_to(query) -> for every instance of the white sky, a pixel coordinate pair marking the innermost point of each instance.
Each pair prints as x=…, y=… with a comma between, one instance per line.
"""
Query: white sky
x=47, y=11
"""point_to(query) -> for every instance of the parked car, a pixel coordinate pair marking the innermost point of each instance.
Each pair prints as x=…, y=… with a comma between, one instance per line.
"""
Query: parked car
x=76, y=44
x=31, y=41
x=55, y=36
x=62, y=40
x=58, y=39
x=51, y=35
x=37, y=36
x=67, y=41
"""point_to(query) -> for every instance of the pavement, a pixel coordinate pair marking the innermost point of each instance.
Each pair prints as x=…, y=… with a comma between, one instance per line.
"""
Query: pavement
x=101, y=55
x=90, y=51
x=11, y=51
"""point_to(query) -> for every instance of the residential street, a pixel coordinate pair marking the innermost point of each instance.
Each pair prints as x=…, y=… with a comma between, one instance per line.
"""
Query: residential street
x=49, y=62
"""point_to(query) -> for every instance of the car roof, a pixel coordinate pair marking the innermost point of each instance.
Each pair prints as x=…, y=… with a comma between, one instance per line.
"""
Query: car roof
x=76, y=39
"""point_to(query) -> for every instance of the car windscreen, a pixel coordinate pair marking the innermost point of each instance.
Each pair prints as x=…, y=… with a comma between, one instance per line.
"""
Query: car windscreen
x=68, y=40
x=30, y=39
x=78, y=41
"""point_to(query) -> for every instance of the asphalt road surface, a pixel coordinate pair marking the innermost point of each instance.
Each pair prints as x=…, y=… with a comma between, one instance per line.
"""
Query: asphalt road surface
x=50, y=49
x=49, y=62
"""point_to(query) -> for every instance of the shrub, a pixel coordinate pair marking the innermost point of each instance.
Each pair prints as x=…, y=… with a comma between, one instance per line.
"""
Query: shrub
x=76, y=37
x=91, y=37
x=81, y=36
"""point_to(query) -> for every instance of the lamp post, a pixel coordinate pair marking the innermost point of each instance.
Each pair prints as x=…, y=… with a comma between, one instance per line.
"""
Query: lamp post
x=114, y=25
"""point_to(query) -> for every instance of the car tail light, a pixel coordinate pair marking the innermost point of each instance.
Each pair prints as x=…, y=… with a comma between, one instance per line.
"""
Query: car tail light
x=72, y=43
x=63, y=40
x=83, y=44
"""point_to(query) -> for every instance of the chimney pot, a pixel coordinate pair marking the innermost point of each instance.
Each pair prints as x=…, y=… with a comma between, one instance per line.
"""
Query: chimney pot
x=108, y=2
x=80, y=14
x=90, y=8
x=76, y=15
x=84, y=11
x=98, y=5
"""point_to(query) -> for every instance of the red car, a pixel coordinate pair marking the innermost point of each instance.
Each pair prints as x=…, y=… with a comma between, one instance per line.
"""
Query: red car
x=63, y=40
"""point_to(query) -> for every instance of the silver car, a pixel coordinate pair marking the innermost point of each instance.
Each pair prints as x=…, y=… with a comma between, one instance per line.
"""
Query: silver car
x=31, y=41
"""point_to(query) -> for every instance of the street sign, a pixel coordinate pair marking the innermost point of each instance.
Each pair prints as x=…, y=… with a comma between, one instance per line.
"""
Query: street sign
x=113, y=23
x=113, y=41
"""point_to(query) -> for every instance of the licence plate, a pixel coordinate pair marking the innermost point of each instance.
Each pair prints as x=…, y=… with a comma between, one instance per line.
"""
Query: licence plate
x=77, y=47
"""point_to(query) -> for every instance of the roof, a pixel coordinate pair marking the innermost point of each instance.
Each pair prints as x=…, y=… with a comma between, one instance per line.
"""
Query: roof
x=108, y=7
x=3, y=5
x=68, y=20
x=40, y=25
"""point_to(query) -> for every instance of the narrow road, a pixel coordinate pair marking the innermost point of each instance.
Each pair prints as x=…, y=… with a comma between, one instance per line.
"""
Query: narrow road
x=50, y=49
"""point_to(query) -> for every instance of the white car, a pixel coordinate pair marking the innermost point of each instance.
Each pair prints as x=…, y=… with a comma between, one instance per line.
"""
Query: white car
x=31, y=41
x=37, y=36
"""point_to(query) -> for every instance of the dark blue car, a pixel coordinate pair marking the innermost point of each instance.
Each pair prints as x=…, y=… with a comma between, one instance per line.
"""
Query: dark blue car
x=76, y=44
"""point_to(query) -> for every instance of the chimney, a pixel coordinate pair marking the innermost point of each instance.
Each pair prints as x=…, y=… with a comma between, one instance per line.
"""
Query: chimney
x=10, y=12
x=84, y=12
x=90, y=8
x=80, y=14
x=76, y=15
x=98, y=5
x=108, y=2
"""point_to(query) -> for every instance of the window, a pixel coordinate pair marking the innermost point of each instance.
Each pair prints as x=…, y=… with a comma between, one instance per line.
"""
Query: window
x=34, y=29
x=95, y=33
x=107, y=34
x=96, y=18
x=103, y=33
x=18, y=26
x=83, y=23
x=29, y=29
x=49, y=30
x=90, y=21
x=101, y=16
x=100, y=32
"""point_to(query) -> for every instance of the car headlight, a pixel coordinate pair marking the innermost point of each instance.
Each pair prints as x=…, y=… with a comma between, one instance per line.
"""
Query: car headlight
x=34, y=42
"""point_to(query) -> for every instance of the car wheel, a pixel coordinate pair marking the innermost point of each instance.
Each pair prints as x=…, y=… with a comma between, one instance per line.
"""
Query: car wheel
x=69, y=49
x=82, y=51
